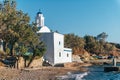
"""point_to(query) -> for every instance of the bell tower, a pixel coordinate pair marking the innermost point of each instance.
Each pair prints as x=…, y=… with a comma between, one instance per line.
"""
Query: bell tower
x=40, y=19
x=40, y=23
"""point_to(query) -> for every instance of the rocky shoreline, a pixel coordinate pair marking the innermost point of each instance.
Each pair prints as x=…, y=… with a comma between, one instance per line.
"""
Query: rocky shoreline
x=45, y=73
x=40, y=73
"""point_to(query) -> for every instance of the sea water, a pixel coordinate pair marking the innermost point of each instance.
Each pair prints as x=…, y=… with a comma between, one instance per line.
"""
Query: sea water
x=93, y=73
x=97, y=73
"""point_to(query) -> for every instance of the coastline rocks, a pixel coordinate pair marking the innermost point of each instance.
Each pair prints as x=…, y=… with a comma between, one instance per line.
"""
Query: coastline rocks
x=76, y=58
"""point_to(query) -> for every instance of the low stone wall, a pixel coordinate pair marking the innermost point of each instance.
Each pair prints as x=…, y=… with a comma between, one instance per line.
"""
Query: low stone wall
x=112, y=68
x=21, y=63
x=36, y=63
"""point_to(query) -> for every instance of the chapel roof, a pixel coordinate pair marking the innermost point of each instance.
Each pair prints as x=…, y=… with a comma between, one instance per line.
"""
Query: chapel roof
x=39, y=12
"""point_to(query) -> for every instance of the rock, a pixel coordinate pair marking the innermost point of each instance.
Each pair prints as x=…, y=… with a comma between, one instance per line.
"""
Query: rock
x=76, y=58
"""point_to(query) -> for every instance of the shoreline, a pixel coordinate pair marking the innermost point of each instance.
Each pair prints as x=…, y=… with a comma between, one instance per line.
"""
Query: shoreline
x=103, y=61
x=47, y=73
x=41, y=73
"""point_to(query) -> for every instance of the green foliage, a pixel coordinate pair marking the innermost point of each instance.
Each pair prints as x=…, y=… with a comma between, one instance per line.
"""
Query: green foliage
x=91, y=44
x=21, y=50
x=17, y=33
x=75, y=42
x=13, y=24
x=40, y=49
x=27, y=57
x=72, y=40
x=94, y=45
x=8, y=51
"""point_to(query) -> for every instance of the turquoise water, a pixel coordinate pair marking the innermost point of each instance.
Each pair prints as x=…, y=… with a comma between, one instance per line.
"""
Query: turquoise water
x=94, y=73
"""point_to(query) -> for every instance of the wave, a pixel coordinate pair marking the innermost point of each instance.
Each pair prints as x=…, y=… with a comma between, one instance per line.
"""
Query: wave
x=80, y=76
x=73, y=76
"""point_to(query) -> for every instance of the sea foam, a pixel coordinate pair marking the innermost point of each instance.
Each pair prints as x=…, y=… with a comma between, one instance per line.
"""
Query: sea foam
x=73, y=76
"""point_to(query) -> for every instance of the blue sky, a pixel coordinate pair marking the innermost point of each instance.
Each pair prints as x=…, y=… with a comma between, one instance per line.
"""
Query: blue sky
x=81, y=17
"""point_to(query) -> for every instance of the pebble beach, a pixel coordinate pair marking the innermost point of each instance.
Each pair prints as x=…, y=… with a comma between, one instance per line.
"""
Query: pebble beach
x=44, y=73
x=30, y=74
x=40, y=73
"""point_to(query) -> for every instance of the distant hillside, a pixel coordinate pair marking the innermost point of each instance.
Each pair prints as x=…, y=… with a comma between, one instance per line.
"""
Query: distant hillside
x=91, y=45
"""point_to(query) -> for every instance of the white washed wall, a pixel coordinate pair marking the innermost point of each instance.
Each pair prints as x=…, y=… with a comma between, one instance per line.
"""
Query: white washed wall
x=68, y=54
x=56, y=53
x=58, y=48
x=47, y=38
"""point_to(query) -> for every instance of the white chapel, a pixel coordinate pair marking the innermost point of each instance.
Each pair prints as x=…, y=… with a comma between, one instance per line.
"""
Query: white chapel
x=55, y=51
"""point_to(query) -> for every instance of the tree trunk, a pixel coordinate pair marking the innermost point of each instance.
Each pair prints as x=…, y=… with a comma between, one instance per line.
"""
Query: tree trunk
x=11, y=49
x=5, y=46
x=31, y=60
x=25, y=63
x=17, y=62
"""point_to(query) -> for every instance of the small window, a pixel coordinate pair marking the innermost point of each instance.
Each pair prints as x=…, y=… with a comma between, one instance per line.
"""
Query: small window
x=59, y=43
x=67, y=55
x=59, y=54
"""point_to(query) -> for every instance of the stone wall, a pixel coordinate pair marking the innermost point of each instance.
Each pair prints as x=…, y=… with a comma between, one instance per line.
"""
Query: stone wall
x=36, y=63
